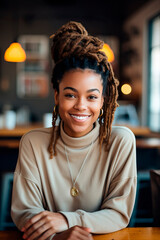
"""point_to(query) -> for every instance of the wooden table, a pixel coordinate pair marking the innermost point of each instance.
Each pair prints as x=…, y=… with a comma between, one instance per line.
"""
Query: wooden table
x=147, y=233
x=19, y=130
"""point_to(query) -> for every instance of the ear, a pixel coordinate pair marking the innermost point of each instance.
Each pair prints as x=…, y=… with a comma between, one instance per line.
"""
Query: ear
x=56, y=97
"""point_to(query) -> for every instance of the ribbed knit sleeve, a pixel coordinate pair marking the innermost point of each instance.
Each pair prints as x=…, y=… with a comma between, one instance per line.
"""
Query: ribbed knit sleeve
x=27, y=198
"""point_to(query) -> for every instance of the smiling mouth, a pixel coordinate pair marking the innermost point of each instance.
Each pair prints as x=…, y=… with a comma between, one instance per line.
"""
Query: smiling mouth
x=80, y=117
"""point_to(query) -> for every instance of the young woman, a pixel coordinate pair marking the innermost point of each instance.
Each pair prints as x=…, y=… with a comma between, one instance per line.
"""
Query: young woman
x=79, y=177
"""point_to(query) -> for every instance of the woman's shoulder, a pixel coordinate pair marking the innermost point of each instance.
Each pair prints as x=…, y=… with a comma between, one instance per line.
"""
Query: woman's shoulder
x=38, y=135
x=37, y=132
x=122, y=132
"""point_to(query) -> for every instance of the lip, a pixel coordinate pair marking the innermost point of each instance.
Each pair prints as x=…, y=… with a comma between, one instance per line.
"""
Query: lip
x=80, y=117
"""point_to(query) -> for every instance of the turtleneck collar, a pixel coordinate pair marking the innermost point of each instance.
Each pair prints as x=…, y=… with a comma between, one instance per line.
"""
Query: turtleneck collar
x=80, y=142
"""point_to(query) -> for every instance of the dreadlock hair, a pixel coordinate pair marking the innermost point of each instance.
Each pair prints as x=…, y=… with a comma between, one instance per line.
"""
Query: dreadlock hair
x=73, y=48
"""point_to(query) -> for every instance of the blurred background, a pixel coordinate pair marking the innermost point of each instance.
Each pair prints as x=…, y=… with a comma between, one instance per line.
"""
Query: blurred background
x=131, y=32
x=131, y=28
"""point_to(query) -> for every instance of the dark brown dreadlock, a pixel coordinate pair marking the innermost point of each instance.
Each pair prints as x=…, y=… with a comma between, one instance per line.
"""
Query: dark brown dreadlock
x=74, y=48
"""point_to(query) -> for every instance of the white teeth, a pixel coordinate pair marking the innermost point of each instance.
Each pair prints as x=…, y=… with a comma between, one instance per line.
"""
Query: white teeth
x=79, y=117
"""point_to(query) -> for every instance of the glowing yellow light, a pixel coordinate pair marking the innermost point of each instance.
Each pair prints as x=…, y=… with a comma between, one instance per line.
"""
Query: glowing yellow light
x=126, y=89
x=15, y=53
x=108, y=51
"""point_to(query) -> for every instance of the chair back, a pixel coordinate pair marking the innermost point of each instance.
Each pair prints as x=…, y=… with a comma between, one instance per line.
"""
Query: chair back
x=155, y=189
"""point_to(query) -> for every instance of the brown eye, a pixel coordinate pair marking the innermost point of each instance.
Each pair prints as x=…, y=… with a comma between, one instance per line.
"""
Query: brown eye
x=92, y=97
x=69, y=95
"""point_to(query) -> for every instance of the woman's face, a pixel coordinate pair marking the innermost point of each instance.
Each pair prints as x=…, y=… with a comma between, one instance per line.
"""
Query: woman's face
x=79, y=100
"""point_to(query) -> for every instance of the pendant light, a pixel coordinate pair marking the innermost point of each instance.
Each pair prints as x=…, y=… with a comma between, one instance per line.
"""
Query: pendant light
x=15, y=53
x=108, y=51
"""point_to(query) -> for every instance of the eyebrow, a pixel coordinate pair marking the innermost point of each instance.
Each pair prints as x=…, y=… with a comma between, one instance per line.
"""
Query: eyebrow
x=75, y=90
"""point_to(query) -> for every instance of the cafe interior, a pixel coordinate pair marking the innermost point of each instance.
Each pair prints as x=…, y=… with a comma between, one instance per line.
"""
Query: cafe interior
x=131, y=34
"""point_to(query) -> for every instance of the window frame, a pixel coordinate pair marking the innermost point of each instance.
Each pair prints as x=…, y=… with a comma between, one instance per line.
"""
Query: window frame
x=149, y=82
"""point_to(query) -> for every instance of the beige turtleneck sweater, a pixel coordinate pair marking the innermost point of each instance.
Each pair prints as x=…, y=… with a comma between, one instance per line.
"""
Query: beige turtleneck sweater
x=107, y=185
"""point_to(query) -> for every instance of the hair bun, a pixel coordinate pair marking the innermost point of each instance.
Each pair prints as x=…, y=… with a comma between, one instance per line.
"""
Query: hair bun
x=72, y=39
x=71, y=27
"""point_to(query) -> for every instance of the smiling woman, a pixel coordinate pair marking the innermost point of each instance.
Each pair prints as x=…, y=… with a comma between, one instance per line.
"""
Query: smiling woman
x=79, y=177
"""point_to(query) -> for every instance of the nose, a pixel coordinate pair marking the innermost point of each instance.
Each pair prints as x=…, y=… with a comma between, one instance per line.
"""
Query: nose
x=80, y=104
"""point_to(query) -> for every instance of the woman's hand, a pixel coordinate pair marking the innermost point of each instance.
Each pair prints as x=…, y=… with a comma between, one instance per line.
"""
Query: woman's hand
x=74, y=233
x=43, y=225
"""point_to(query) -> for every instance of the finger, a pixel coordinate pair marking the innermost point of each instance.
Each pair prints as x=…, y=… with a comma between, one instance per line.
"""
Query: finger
x=46, y=234
x=81, y=232
x=32, y=220
x=80, y=236
x=75, y=233
x=88, y=235
x=86, y=229
x=34, y=227
x=85, y=236
x=38, y=232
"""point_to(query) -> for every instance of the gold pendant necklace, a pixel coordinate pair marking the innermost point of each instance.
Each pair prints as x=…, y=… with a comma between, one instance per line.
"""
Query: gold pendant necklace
x=74, y=190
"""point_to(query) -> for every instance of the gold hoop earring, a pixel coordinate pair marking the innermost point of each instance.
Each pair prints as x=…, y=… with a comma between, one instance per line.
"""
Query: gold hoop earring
x=101, y=112
x=55, y=109
x=55, y=114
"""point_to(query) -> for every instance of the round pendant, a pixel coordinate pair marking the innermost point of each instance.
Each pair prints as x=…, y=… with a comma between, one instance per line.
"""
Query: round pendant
x=74, y=191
